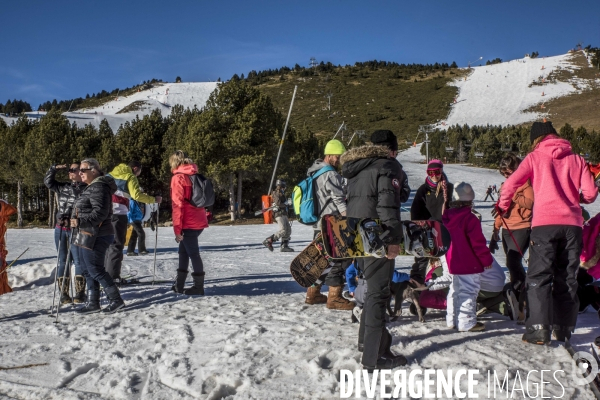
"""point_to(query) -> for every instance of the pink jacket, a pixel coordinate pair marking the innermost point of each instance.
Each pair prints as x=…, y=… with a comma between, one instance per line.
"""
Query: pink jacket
x=556, y=175
x=590, y=255
x=468, y=253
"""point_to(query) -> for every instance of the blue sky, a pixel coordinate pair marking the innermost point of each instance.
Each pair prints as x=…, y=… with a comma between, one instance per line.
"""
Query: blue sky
x=66, y=49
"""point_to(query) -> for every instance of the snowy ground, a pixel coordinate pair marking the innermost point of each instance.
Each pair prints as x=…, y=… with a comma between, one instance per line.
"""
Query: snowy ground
x=251, y=336
x=498, y=94
x=163, y=97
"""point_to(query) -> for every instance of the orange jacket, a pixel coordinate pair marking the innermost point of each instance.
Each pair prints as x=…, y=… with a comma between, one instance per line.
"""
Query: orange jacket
x=520, y=211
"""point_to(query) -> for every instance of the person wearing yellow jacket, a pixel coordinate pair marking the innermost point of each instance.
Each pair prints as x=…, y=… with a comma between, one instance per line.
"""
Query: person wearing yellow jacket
x=128, y=187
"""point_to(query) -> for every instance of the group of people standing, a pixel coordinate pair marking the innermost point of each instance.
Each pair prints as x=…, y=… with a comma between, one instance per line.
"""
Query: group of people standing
x=93, y=212
x=550, y=226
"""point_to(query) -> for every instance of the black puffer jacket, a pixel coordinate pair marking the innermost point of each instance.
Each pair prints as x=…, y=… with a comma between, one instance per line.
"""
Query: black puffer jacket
x=377, y=186
x=67, y=192
x=428, y=203
x=94, y=206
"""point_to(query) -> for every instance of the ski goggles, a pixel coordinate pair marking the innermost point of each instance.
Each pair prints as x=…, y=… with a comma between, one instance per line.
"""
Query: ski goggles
x=434, y=172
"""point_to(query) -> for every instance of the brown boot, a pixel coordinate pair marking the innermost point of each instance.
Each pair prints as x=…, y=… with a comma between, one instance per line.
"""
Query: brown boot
x=335, y=301
x=314, y=296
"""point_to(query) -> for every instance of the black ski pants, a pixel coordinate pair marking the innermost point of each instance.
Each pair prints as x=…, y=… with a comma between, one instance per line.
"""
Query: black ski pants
x=372, y=332
x=552, y=276
x=189, y=250
x=138, y=235
x=488, y=195
x=513, y=248
x=114, y=255
x=418, y=271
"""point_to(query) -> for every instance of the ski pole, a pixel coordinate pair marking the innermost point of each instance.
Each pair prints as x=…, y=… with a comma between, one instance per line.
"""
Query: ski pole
x=63, y=283
x=56, y=273
x=511, y=234
x=155, y=245
x=14, y=261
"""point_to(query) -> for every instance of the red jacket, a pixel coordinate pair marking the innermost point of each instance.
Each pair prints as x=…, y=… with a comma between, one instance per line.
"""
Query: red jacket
x=185, y=215
x=556, y=175
x=468, y=252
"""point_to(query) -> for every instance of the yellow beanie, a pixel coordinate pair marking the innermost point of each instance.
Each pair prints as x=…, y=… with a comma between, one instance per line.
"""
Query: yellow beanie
x=334, y=148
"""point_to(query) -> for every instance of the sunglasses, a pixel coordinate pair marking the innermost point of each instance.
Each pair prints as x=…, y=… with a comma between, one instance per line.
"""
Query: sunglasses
x=73, y=170
x=434, y=172
x=84, y=170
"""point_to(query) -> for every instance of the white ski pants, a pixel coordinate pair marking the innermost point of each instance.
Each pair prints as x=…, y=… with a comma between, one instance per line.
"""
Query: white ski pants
x=285, y=230
x=462, y=301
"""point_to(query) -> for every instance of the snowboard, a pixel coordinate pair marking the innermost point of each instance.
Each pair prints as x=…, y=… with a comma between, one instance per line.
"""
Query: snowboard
x=345, y=237
x=310, y=263
x=425, y=238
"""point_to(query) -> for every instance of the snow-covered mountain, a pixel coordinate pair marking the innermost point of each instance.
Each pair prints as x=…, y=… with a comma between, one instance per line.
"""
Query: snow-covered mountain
x=499, y=94
x=162, y=96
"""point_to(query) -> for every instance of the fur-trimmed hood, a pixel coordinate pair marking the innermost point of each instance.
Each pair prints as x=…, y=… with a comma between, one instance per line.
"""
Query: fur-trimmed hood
x=366, y=151
x=360, y=158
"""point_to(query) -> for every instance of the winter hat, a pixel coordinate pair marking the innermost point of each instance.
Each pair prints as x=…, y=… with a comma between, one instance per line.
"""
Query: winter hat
x=541, y=129
x=385, y=138
x=334, y=148
x=463, y=192
x=435, y=164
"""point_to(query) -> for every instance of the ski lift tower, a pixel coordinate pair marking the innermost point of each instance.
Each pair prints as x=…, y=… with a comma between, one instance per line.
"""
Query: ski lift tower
x=313, y=62
x=426, y=129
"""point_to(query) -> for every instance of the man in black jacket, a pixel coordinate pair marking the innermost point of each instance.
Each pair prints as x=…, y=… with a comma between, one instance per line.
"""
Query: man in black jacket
x=377, y=186
x=67, y=193
x=431, y=200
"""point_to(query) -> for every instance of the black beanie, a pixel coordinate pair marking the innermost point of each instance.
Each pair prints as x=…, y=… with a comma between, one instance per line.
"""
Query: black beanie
x=539, y=129
x=385, y=138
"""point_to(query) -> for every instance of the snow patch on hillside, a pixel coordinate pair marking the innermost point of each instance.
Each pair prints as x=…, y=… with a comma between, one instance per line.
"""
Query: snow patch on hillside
x=499, y=94
x=163, y=97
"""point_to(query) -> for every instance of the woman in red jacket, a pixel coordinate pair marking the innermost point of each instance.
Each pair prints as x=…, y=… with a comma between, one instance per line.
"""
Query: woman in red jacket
x=188, y=223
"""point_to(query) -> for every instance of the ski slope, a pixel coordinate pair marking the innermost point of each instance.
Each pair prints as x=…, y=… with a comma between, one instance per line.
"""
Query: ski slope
x=250, y=337
x=163, y=97
x=499, y=94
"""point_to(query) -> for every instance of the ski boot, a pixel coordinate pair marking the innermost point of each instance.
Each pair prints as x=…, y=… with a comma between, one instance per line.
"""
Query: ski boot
x=537, y=334
x=143, y=253
x=198, y=287
x=132, y=254
x=80, y=296
x=562, y=333
x=285, y=248
x=115, y=302
x=268, y=242
x=64, y=284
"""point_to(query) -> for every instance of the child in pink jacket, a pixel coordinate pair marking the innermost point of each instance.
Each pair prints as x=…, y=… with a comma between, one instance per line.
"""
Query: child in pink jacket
x=560, y=180
x=467, y=257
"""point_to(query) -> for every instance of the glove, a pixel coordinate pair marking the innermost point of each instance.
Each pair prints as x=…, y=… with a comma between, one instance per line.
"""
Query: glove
x=494, y=212
x=493, y=246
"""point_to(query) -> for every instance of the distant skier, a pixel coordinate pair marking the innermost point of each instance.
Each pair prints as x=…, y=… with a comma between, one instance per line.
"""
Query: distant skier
x=280, y=212
x=488, y=193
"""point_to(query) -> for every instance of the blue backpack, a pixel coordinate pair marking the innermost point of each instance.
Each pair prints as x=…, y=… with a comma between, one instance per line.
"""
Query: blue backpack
x=305, y=205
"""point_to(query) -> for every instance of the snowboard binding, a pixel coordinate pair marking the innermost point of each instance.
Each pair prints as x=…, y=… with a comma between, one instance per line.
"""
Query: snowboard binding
x=372, y=235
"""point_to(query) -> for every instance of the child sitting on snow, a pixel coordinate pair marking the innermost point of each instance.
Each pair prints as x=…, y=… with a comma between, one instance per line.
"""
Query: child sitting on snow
x=467, y=257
